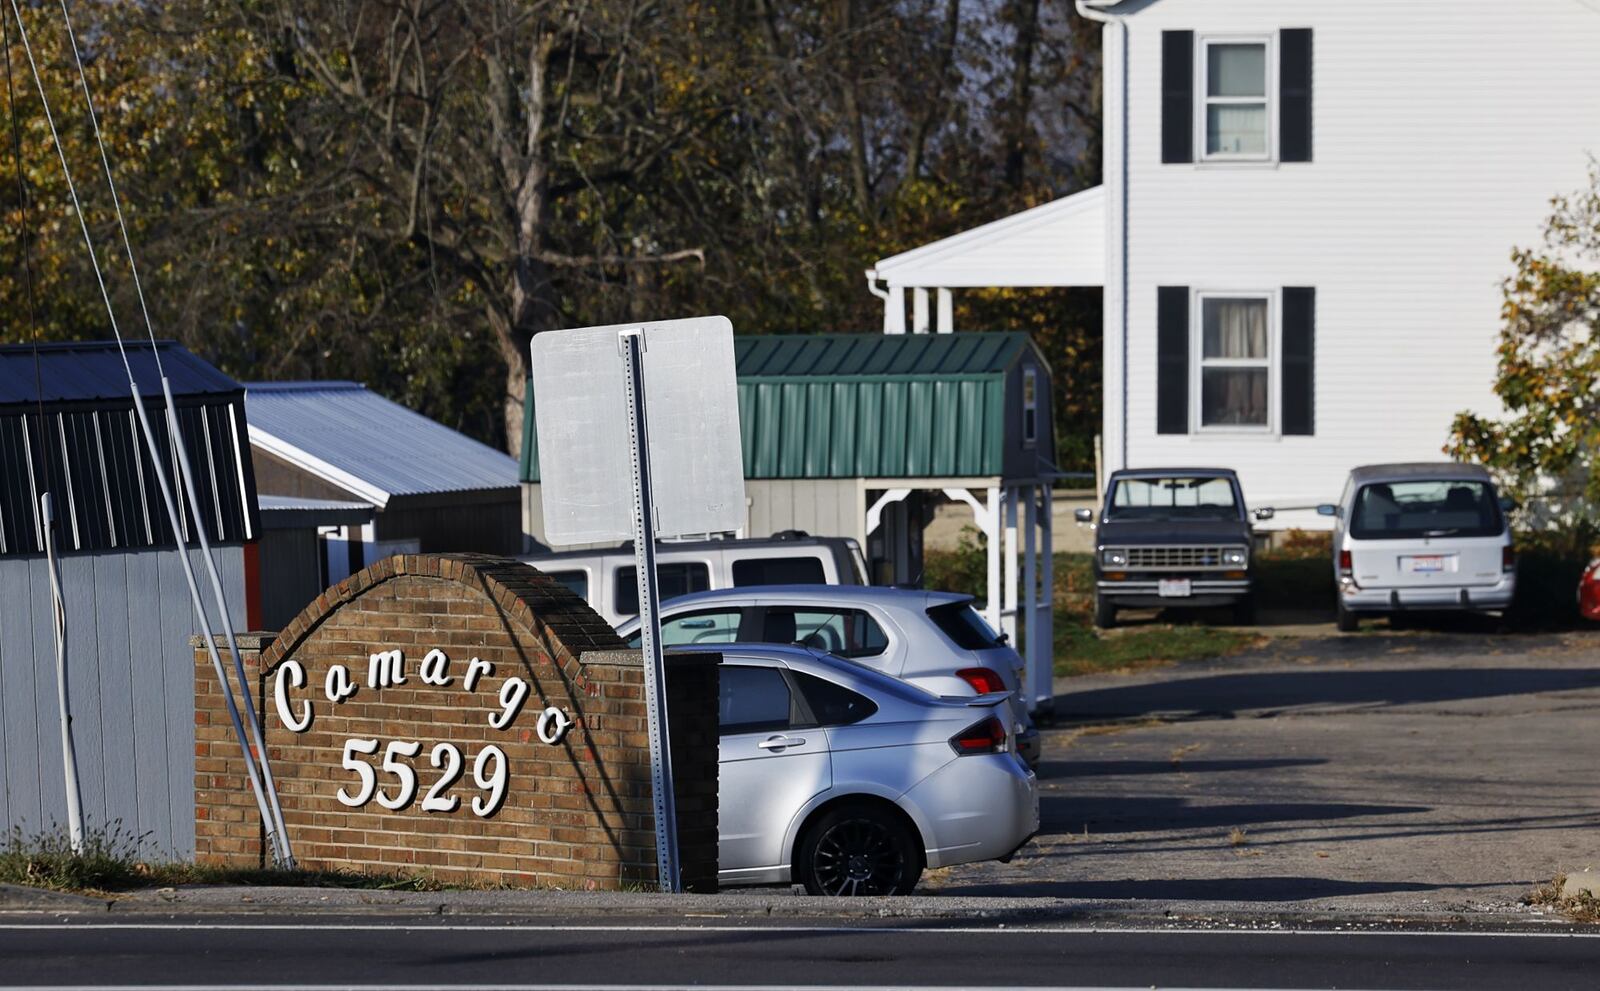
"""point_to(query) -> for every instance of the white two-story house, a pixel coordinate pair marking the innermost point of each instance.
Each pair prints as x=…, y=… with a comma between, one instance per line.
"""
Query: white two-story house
x=1307, y=214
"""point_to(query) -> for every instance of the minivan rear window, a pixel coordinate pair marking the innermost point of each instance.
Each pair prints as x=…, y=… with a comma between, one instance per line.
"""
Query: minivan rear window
x=672, y=580
x=778, y=571
x=1425, y=508
x=962, y=624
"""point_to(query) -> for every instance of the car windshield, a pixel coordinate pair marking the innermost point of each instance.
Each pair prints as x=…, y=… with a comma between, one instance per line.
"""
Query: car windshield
x=1173, y=497
x=1425, y=508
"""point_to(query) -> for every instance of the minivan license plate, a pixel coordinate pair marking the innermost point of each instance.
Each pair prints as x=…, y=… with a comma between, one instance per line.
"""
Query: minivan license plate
x=1173, y=588
x=1425, y=564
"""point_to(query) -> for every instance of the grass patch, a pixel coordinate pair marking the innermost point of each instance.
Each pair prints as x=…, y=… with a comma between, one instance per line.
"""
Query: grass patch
x=110, y=862
x=1080, y=649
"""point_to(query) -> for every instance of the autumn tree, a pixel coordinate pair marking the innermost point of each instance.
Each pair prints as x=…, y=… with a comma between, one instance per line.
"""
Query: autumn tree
x=405, y=191
x=1546, y=443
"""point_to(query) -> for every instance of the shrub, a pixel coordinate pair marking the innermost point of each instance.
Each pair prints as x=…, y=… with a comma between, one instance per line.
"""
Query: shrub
x=965, y=569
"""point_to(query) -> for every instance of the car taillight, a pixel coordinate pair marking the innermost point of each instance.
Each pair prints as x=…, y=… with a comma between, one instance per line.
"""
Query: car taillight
x=982, y=680
x=1344, y=562
x=986, y=737
x=1508, y=558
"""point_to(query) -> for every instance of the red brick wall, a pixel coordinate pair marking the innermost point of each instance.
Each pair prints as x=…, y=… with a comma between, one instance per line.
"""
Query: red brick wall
x=576, y=814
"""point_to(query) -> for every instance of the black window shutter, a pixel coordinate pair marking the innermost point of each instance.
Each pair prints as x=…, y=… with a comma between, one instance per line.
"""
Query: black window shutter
x=1299, y=360
x=1294, y=95
x=1172, y=359
x=1177, y=96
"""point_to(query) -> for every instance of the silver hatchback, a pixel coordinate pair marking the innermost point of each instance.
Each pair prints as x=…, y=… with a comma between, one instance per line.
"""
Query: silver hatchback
x=848, y=781
x=935, y=640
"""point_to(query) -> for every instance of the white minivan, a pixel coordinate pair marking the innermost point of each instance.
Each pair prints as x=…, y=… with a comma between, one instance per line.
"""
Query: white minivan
x=1420, y=537
x=607, y=580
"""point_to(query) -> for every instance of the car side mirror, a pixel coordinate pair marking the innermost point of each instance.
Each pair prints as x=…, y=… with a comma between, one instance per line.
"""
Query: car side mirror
x=1327, y=509
x=1083, y=515
x=1266, y=513
x=1508, y=504
x=1003, y=639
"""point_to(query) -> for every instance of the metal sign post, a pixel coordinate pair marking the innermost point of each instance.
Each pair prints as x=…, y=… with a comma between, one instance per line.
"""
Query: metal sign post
x=649, y=411
x=644, y=555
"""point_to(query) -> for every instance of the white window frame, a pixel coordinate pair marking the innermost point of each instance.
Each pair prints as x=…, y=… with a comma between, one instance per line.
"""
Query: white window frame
x=1198, y=363
x=1203, y=99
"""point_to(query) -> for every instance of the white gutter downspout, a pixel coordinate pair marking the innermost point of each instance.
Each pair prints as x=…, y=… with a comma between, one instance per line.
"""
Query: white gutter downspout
x=1102, y=17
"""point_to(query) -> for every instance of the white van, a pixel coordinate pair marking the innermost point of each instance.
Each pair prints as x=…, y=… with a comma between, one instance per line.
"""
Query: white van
x=608, y=580
x=1420, y=537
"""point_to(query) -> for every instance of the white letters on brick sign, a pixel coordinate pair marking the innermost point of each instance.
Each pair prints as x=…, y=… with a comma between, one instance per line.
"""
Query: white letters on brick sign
x=394, y=781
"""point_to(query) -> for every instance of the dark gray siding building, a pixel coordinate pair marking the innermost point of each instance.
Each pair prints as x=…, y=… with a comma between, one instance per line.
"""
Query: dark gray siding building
x=128, y=611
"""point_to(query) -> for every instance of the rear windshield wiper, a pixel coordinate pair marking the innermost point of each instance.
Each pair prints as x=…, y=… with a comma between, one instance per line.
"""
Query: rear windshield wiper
x=1441, y=533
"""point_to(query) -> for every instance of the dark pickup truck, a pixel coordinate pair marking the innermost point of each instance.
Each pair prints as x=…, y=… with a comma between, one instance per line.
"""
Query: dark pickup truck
x=1172, y=537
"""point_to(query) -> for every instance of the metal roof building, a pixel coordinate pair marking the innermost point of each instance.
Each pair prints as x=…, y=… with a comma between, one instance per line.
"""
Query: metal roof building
x=67, y=425
x=371, y=446
x=433, y=489
x=68, y=428
x=948, y=407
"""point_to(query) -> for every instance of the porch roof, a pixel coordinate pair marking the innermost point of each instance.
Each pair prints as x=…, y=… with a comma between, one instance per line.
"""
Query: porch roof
x=1060, y=243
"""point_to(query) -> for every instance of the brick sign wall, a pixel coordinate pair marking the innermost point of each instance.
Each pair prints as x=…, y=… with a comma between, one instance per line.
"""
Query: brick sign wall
x=466, y=716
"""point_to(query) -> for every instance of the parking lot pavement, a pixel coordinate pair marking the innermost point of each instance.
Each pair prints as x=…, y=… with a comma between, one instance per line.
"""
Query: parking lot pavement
x=1375, y=773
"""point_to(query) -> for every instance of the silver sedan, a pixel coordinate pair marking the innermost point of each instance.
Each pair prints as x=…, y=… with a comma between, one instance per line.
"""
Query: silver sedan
x=848, y=781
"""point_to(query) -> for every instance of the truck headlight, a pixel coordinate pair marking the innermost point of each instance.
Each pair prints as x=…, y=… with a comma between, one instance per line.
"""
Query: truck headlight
x=1235, y=556
x=1114, y=558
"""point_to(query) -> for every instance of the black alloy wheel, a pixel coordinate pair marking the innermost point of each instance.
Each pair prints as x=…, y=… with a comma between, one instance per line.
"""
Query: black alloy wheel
x=859, y=850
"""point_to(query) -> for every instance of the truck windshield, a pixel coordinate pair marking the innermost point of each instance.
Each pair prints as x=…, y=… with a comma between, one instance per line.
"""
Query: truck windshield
x=1173, y=497
x=1425, y=508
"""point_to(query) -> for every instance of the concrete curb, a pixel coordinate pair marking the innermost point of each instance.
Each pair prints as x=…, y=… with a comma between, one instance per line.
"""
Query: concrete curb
x=603, y=907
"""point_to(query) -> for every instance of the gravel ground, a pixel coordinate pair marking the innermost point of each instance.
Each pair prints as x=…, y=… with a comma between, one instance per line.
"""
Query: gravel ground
x=1407, y=773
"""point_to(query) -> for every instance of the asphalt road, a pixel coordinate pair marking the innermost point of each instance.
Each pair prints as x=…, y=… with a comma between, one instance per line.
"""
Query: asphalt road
x=283, y=952
x=1405, y=774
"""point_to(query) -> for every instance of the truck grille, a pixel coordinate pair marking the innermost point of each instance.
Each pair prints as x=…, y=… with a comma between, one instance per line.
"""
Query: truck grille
x=1156, y=558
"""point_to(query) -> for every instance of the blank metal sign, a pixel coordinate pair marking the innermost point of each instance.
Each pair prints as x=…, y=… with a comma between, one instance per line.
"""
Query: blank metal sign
x=692, y=408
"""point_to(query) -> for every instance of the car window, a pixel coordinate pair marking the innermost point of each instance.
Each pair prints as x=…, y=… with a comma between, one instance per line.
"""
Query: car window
x=964, y=626
x=778, y=571
x=831, y=704
x=577, y=581
x=704, y=626
x=1173, y=497
x=846, y=632
x=753, y=699
x=672, y=580
x=1399, y=510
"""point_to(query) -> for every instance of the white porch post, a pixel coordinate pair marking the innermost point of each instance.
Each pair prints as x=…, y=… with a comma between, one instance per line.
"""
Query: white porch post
x=1008, y=614
x=894, y=311
x=992, y=531
x=1044, y=692
x=1030, y=595
x=919, y=311
x=947, y=312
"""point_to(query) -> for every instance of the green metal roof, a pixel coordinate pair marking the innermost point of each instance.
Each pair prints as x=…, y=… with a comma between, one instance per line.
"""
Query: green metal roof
x=864, y=405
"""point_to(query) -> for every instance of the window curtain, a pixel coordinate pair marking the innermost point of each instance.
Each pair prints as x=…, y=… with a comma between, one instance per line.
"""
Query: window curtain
x=1236, y=328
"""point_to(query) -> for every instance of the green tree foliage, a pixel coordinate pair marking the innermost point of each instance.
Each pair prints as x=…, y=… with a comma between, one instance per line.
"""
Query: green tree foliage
x=1544, y=446
x=403, y=192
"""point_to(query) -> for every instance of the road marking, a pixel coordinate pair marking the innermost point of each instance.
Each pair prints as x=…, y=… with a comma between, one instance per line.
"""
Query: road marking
x=931, y=927
x=571, y=987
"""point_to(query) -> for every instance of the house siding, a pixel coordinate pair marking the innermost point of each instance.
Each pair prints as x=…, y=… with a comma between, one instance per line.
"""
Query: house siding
x=1440, y=133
